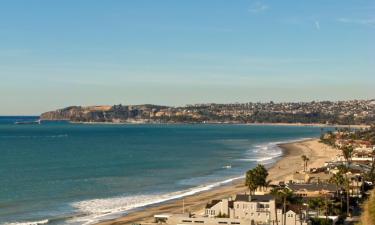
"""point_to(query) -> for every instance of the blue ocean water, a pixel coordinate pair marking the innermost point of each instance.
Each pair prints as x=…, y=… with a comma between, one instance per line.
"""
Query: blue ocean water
x=61, y=173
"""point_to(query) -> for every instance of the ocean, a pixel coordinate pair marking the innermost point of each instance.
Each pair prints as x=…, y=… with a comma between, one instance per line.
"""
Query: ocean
x=62, y=173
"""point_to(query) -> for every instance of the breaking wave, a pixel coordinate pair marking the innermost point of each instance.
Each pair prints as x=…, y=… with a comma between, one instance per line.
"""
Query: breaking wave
x=99, y=209
x=40, y=222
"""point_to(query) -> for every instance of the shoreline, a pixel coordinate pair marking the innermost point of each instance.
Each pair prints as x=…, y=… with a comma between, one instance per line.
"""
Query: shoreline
x=285, y=166
x=223, y=123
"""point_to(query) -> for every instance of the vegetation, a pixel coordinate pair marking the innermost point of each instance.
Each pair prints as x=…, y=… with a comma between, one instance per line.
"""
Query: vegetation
x=305, y=159
x=222, y=215
x=256, y=177
x=346, y=140
x=368, y=216
x=320, y=221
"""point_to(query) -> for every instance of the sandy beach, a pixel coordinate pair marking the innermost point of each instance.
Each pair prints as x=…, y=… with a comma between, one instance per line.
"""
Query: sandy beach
x=284, y=168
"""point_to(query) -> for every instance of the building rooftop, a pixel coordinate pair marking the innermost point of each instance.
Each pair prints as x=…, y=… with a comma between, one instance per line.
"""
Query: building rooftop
x=312, y=187
x=212, y=203
x=254, y=198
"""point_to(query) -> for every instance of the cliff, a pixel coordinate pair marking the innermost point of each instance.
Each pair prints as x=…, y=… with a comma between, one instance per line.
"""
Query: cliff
x=116, y=113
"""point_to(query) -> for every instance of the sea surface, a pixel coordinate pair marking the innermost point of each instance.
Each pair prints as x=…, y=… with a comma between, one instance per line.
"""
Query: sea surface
x=62, y=173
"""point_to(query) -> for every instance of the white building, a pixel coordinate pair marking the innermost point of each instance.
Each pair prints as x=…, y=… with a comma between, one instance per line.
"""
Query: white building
x=244, y=209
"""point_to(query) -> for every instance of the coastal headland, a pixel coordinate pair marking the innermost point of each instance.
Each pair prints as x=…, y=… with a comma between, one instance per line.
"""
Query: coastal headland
x=354, y=112
x=288, y=164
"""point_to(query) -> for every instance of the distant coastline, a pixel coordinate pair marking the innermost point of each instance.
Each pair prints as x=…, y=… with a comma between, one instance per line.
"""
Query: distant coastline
x=227, y=123
x=354, y=112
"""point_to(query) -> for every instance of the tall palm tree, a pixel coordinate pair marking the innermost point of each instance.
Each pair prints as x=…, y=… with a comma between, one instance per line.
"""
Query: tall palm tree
x=251, y=181
x=307, y=159
x=347, y=152
x=285, y=195
x=261, y=173
x=304, y=158
x=275, y=192
x=339, y=180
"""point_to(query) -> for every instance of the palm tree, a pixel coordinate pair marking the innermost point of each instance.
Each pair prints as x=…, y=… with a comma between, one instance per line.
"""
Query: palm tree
x=347, y=153
x=307, y=159
x=251, y=181
x=339, y=180
x=285, y=194
x=256, y=177
x=261, y=173
x=304, y=158
x=316, y=203
x=275, y=192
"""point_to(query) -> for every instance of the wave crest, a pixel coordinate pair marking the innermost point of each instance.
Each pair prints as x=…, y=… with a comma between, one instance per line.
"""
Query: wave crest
x=40, y=222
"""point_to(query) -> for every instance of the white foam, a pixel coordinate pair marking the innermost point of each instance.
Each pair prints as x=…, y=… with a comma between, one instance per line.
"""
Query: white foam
x=258, y=159
x=267, y=152
x=99, y=209
x=29, y=222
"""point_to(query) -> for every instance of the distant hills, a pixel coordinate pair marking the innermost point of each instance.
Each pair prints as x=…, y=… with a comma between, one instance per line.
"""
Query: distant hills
x=323, y=112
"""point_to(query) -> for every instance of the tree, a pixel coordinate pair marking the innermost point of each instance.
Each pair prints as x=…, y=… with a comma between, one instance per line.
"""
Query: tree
x=256, y=177
x=285, y=195
x=339, y=180
x=261, y=175
x=317, y=204
x=304, y=157
x=305, y=160
x=275, y=192
x=251, y=181
x=347, y=152
x=370, y=176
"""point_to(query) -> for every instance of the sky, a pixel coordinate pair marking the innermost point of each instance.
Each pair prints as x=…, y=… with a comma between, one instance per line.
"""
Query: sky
x=55, y=54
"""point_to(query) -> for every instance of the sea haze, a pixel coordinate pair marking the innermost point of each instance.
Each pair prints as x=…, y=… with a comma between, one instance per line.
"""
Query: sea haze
x=58, y=172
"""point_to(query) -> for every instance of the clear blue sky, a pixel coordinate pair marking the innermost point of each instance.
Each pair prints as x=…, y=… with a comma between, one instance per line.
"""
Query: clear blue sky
x=85, y=52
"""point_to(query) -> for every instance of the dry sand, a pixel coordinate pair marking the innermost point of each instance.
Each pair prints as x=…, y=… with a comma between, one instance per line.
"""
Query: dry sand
x=288, y=164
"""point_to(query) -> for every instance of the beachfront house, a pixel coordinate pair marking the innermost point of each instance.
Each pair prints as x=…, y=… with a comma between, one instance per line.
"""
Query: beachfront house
x=219, y=208
x=244, y=209
x=257, y=208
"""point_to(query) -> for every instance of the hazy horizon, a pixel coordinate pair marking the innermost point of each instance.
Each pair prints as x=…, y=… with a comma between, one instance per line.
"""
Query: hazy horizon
x=58, y=54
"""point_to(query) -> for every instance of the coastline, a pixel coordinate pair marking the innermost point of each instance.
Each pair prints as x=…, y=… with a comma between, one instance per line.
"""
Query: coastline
x=281, y=170
x=358, y=126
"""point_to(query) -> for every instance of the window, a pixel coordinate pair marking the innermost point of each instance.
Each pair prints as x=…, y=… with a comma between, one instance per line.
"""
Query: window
x=223, y=222
x=198, y=221
x=187, y=221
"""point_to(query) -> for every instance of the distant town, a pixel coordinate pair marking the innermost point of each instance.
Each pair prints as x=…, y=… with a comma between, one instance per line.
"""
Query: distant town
x=353, y=112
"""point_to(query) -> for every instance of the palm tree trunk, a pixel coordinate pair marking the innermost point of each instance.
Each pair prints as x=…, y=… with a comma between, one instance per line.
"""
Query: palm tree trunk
x=347, y=196
x=277, y=221
x=284, y=209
